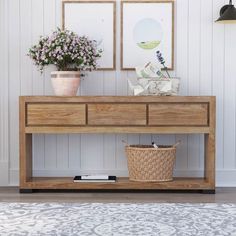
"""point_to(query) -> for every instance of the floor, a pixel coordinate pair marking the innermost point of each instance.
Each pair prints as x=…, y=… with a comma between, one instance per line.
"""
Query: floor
x=223, y=195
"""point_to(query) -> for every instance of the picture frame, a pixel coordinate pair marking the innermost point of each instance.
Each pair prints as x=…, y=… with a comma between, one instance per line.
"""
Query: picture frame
x=97, y=20
x=147, y=26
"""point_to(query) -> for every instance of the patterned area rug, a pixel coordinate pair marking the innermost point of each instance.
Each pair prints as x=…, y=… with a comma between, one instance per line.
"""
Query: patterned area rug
x=117, y=219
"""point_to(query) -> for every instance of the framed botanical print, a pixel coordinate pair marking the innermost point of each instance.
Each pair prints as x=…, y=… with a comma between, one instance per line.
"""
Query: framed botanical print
x=147, y=26
x=96, y=20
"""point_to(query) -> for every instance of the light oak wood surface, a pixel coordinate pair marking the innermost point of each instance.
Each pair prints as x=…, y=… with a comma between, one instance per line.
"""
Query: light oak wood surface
x=116, y=99
x=117, y=129
x=121, y=183
x=56, y=114
x=124, y=114
x=117, y=114
x=178, y=114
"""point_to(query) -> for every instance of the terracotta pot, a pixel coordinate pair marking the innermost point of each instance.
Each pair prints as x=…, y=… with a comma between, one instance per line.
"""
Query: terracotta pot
x=65, y=83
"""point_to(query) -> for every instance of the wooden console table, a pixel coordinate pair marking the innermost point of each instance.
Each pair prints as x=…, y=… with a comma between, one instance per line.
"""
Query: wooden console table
x=162, y=115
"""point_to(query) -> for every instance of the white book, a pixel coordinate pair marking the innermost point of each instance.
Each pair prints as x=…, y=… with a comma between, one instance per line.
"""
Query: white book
x=94, y=181
x=94, y=177
x=109, y=179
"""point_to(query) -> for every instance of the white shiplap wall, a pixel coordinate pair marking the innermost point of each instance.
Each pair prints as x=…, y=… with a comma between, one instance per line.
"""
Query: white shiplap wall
x=205, y=54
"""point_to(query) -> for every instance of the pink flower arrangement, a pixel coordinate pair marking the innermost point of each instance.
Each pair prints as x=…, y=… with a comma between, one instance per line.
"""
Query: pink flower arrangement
x=66, y=50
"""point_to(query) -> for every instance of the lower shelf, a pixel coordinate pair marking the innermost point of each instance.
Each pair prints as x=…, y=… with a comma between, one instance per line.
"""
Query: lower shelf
x=121, y=183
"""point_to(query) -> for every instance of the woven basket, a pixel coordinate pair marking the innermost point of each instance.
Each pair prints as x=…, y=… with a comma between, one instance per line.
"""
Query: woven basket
x=148, y=164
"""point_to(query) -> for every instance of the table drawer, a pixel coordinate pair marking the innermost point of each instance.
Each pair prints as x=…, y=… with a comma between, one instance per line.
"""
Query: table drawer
x=178, y=114
x=116, y=114
x=56, y=114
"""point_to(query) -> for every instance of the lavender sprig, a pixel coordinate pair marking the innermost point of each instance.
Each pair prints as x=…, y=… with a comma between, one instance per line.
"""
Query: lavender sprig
x=162, y=61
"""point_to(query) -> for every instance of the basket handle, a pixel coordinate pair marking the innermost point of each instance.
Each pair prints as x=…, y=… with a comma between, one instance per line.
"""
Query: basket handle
x=123, y=141
x=177, y=144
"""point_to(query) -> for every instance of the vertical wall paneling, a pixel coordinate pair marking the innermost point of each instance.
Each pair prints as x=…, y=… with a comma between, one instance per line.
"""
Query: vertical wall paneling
x=25, y=41
x=204, y=60
x=182, y=40
x=109, y=155
x=218, y=75
x=145, y=139
x=49, y=25
x=206, y=42
x=2, y=154
x=92, y=83
x=121, y=83
x=92, y=152
x=74, y=152
x=229, y=97
x=50, y=151
x=62, y=152
x=14, y=79
x=109, y=83
x=121, y=161
x=39, y=152
x=37, y=30
x=4, y=145
x=194, y=46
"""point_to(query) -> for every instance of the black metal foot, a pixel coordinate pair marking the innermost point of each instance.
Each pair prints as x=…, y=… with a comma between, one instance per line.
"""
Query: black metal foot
x=26, y=191
x=209, y=191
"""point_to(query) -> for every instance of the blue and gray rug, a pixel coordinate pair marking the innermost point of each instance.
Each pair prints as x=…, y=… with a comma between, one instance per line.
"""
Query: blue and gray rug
x=117, y=219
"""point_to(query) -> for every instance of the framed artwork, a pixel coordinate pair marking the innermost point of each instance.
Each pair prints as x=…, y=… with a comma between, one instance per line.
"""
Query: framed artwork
x=146, y=27
x=97, y=20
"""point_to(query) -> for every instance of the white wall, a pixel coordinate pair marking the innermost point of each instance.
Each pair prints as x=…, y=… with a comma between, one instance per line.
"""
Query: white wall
x=205, y=61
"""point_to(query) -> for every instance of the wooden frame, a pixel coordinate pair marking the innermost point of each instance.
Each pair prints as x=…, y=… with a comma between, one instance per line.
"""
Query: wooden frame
x=121, y=28
x=114, y=24
x=98, y=117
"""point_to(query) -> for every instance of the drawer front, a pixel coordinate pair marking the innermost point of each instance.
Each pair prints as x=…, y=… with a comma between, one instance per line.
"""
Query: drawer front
x=116, y=114
x=56, y=114
x=178, y=114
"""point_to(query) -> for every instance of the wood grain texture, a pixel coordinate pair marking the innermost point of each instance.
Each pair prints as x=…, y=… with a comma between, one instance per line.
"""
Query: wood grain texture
x=122, y=183
x=116, y=129
x=25, y=141
x=117, y=99
x=210, y=148
x=178, y=114
x=117, y=114
x=210, y=159
x=56, y=114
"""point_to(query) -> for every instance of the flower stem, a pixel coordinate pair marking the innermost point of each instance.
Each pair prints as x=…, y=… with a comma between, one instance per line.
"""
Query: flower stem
x=167, y=72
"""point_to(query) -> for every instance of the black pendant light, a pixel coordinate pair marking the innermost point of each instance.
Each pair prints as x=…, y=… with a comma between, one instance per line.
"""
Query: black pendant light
x=227, y=14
